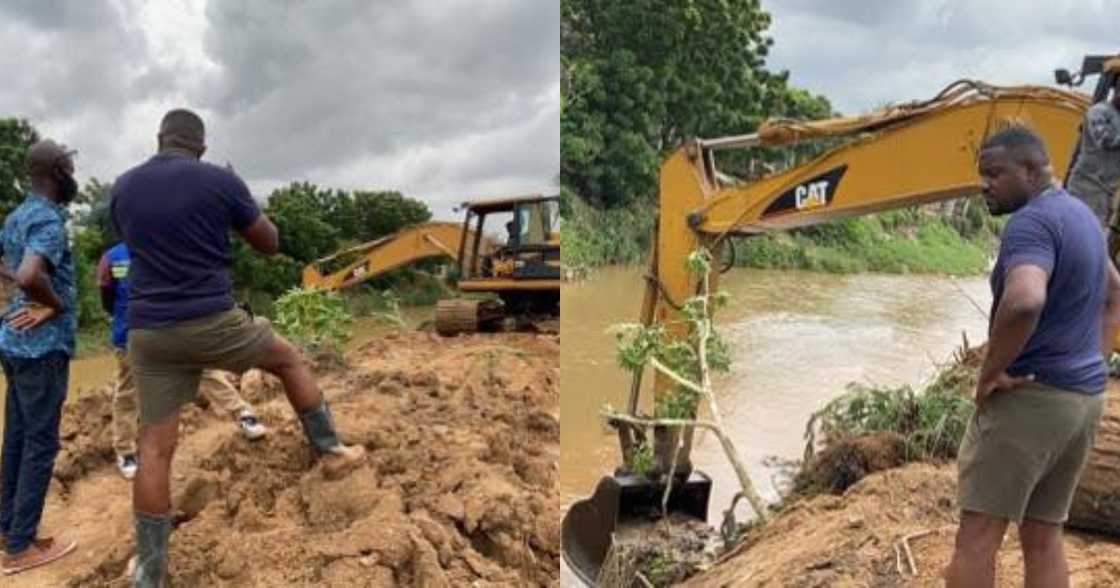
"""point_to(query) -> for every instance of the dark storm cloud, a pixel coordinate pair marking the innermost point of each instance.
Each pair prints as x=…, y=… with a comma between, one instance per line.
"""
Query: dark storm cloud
x=434, y=98
x=303, y=88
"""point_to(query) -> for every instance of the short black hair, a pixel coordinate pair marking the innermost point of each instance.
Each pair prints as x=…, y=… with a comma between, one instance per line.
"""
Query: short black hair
x=1021, y=142
x=183, y=129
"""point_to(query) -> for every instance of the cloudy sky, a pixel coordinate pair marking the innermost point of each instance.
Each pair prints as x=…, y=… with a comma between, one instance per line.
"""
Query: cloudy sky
x=443, y=100
x=865, y=53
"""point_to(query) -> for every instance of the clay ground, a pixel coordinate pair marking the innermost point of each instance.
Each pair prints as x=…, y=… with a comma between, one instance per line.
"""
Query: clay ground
x=849, y=540
x=463, y=437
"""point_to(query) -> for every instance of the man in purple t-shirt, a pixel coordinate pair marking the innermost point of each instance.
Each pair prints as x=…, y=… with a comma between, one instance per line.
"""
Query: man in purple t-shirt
x=1055, y=313
x=175, y=212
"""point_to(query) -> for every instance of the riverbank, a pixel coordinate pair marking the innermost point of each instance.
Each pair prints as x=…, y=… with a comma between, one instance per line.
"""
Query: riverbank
x=891, y=528
x=878, y=504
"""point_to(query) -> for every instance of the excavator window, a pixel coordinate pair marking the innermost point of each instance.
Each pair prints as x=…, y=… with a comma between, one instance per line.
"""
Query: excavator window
x=537, y=222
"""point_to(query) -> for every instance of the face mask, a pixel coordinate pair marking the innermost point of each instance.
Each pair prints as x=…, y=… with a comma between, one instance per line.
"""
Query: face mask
x=68, y=187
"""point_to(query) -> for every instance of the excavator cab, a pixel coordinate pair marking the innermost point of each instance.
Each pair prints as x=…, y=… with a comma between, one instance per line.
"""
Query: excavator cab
x=510, y=251
x=516, y=240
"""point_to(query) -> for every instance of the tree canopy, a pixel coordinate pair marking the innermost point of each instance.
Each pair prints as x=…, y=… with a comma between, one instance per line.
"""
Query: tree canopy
x=639, y=77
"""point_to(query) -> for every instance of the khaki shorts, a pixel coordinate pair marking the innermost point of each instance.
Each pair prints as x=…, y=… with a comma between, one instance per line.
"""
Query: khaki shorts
x=167, y=362
x=1023, y=452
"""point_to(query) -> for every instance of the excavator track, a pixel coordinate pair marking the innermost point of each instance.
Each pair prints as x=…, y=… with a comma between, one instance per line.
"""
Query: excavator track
x=460, y=315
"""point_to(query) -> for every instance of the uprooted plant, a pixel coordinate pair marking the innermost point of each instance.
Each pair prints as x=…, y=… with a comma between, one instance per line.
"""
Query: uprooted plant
x=687, y=361
x=871, y=427
x=685, y=352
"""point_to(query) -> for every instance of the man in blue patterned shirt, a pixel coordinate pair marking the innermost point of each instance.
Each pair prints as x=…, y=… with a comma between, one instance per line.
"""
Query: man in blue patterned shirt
x=36, y=344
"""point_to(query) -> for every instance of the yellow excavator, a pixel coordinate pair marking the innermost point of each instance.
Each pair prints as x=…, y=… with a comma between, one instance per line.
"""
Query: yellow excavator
x=507, y=254
x=901, y=155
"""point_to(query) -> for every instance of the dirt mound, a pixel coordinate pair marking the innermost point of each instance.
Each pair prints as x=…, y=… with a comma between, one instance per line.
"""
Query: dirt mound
x=86, y=435
x=87, y=432
x=850, y=540
x=459, y=488
x=846, y=462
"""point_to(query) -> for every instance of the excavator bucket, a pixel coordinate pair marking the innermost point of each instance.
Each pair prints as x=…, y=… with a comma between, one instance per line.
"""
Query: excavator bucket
x=589, y=526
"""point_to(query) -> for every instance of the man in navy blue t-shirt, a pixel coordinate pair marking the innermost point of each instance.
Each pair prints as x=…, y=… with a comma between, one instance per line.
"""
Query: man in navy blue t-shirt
x=175, y=212
x=1055, y=312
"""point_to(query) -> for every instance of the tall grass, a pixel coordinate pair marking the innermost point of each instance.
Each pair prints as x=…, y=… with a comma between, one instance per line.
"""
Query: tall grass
x=593, y=237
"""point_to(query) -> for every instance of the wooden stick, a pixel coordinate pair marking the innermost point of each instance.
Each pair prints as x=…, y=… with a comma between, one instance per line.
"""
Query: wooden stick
x=905, y=542
x=672, y=471
x=657, y=365
x=909, y=557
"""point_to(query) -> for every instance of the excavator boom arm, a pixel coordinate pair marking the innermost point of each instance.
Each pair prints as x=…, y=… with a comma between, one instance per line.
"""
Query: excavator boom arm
x=429, y=240
x=902, y=155
x=907, y=155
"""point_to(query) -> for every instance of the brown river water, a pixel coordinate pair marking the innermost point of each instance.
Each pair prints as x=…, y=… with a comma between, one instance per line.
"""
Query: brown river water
x=797, y=339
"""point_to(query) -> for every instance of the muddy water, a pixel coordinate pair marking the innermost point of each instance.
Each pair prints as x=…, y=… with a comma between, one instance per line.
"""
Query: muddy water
x=797, y=338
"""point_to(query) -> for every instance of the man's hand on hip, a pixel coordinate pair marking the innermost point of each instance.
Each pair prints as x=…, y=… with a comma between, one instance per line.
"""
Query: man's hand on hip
x=30, y=316
x=1002, y=381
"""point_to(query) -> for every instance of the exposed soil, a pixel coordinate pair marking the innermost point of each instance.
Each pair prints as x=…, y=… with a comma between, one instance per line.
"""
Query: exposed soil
x=846, y=462
x=849, y=540
x=460, y=489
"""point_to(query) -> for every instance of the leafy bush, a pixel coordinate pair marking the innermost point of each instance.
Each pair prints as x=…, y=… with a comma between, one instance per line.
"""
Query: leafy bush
x=313, y=318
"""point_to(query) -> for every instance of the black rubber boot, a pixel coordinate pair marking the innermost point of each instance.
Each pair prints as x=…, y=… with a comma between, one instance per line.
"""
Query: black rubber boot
x=318, y=425
x=152, y=534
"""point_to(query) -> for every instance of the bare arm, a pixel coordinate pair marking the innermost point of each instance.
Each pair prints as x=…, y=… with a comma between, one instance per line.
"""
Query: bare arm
x=1111, y=318
x=262, y=235
x=1019, y=309
x=33, y=278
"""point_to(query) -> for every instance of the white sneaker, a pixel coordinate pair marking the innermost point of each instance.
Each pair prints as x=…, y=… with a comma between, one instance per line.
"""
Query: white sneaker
x=251, y=427
x=127, y=465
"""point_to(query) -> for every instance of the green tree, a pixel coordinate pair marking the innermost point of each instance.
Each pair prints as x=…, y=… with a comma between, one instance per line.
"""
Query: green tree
x=299, y=212
x=639, y=77
x=16, y=137
x=384, y=213
x=87, y=246
x=92, y=236
x=90, y=210
x=313, y=223
x=259, y=280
